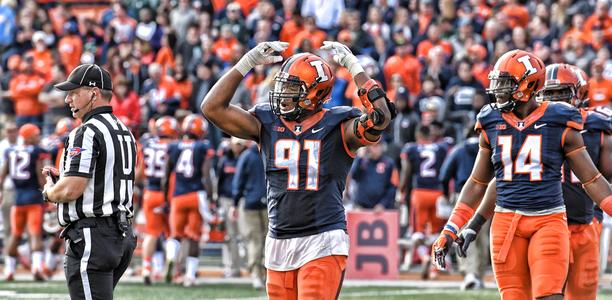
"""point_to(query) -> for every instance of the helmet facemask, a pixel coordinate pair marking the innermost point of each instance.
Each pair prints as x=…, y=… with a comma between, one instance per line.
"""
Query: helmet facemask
x=287, y=95
x=501, y=87
x=559, y=92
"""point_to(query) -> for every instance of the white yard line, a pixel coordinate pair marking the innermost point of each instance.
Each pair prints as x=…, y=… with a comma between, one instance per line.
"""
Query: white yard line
x=15, y=295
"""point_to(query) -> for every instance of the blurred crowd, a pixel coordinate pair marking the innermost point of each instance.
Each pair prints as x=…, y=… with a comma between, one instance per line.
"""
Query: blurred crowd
x=431, y=56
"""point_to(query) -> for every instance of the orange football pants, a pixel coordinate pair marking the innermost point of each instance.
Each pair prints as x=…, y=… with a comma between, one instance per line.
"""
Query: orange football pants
x=185, y=217
x=30, y=215
x=423, y=205
x=156, y=221
x=583, y=273
x=530, y=254
x=320, y=279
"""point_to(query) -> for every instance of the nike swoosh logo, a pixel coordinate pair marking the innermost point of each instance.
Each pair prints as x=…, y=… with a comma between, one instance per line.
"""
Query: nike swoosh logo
x=583, y=131
x=317, y=130
x=538, y=126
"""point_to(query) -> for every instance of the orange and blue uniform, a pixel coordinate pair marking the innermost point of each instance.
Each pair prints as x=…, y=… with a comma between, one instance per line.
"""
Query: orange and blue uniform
x=155, y=156
x=584, y=228
x=529, y=234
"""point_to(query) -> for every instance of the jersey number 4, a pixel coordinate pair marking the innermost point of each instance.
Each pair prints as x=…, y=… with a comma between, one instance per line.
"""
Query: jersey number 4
x=528, y=160
x=287, y=156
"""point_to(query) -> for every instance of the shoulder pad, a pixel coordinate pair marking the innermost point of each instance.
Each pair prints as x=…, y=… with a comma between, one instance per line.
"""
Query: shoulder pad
x=597, y=121
x=565, y=114
x=263, y=112
x=339, y=114
x=486, y=117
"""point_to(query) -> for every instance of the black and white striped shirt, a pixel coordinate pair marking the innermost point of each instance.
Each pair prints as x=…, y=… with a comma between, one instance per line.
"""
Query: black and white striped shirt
x=104, y=150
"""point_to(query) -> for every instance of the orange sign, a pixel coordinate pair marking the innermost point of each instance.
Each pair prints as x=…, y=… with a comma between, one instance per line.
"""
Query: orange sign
x=374, y=251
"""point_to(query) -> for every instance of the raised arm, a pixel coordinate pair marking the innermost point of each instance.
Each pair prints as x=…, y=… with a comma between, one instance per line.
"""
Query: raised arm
x=364, y=130
x=216, y=106
x=596, y=186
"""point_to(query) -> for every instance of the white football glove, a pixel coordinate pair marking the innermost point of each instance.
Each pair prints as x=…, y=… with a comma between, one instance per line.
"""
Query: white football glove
x=343, y=56
x=262, y=54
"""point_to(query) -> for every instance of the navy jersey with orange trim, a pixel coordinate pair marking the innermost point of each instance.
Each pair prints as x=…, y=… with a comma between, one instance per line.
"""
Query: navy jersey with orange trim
x=426, y=161
x=306, y=166
x=154, y=158
x=579, y=206
x=528, y=154
x=22, y=170
x=188, y=157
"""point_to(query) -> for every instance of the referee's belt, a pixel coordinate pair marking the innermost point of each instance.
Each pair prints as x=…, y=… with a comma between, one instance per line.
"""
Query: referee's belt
x=117, y=221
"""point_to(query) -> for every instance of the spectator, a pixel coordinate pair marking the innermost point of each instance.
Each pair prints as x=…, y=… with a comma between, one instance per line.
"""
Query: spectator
x=404, y=124
x=405, y=64
x=577, y=53
x=24, y=89
x=310, y=33
x=600, y=19
x=181, y=18
x=249, y=192
x=11, y=139
x=8, y=25
x=226, y=168
x=125, y=102
x=520, y=39
x=70, y=47
x=165, y=55
x=187, y=47
x=518, y=15
x=42, y=57
x=184, y=86
x=600, y=88
x=148, y=30
x=234, y=20
x=159, y=93
x=477, y=55
x=223, y=46
x=362, y=42
x=375, y=25
x=431, y=94
x=54, y=100
x=464, y=38
x=376, y=178
x=265, y=11
x=327, y=12
x=460, y=94
x=204, y=80
x=122, y=23
x=425, y=17
x=402, y=23
x=433, y=40
x=437, y=68
x=7, y=105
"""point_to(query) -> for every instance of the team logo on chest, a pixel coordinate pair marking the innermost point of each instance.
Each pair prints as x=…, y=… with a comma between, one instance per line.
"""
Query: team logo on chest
x=298, y=128
x=520, y=125
x=500, y=126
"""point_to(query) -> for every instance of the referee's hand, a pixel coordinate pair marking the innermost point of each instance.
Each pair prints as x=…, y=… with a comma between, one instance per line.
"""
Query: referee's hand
x=49, y=170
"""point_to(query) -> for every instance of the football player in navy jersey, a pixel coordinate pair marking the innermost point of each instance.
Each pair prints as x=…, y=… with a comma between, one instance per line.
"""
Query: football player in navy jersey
x=23, y=165
x=191, y=160
x=154, y=153
x=523, y=143
x=569, y=84
x=307, y=152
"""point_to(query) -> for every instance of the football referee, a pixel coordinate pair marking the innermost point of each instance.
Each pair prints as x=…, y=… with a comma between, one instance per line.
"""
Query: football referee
x=93, y=190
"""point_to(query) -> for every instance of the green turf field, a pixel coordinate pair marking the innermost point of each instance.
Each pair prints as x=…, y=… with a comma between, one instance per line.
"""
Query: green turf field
x=129, y=291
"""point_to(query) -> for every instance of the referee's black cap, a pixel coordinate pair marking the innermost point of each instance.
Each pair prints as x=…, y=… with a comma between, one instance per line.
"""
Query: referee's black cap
x=89, y=75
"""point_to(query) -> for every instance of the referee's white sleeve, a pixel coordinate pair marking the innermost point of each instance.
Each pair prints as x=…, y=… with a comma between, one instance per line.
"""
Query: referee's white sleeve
x=83, y=149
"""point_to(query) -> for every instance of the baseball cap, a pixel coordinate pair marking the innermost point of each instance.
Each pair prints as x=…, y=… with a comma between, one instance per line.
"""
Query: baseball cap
x=87, y=75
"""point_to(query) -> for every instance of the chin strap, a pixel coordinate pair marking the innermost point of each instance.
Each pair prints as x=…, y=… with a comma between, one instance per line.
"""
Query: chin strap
x=369, y=93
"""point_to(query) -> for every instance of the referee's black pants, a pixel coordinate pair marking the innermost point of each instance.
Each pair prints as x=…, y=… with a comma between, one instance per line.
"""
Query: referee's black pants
x=97, y=254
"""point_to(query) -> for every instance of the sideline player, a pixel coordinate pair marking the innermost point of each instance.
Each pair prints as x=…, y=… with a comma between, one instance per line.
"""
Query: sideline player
x=307, y=152
x=23, y=165
x=155, y=157
x=191, y=160
x=524, y=143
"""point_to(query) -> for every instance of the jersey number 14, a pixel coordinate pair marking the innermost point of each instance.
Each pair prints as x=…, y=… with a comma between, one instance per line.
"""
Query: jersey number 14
x=287, y=156
x=528, y=160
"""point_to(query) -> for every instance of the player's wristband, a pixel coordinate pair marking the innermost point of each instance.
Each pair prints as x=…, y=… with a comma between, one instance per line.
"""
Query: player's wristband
x=476, y=222
x=462, y=213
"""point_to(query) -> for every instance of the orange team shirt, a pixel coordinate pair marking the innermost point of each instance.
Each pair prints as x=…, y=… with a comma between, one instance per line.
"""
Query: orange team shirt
x=223, y=48
x=167, y=89
x=316, y=39
x=24, y=90
x=165, y=58
x=410, y=69
x=600, y=92
x=288, y=32
x=518, y=15
x=606, y=26
x=70, y=49
x=573, y=34
x=184, y=88
x=43, y=61
x=481, y=73
x=426, y=45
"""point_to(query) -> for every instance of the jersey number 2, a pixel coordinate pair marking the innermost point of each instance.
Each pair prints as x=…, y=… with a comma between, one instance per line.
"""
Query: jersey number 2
x=287, y=156
x=528, y=160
